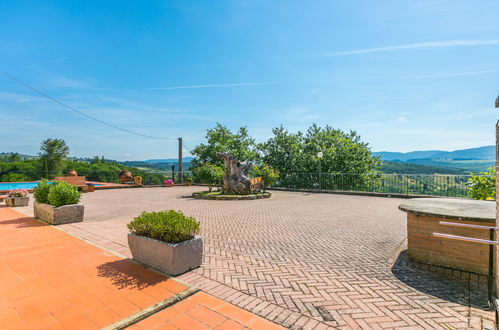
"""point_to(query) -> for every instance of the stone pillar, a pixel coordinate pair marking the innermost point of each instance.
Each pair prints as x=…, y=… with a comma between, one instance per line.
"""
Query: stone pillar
x=497, y=200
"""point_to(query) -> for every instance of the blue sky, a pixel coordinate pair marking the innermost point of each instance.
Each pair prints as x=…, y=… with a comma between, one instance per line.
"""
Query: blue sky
x=406, y=75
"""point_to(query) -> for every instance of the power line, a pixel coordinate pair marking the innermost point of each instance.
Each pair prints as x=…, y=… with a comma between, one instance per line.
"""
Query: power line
x=188, y=149
x=80, y=112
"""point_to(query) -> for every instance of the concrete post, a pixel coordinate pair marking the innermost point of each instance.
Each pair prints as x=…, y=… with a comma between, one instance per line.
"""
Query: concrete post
x=180, y=174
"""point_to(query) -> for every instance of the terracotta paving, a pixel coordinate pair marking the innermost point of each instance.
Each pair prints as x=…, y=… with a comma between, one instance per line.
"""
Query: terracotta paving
x=51, y=280
x=301, y=260
x=202, y=311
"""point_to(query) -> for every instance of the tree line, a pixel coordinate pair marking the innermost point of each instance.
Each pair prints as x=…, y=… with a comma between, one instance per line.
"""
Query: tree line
x=52, y=161
x=318, y=149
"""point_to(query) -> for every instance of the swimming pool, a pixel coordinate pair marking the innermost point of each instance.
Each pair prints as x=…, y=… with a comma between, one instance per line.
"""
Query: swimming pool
x=27, y=185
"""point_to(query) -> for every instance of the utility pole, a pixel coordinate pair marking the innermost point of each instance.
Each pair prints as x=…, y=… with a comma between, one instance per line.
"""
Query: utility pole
x=180, y=174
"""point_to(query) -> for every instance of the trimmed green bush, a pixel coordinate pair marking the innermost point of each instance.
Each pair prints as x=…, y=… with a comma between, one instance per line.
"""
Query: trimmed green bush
x=210, y=174
x=41, y=192
x=63, y=193
x=482, y=186
x=168, y=226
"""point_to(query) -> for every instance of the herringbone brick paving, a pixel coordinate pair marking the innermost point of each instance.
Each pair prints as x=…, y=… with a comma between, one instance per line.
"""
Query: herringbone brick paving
x=301, y=260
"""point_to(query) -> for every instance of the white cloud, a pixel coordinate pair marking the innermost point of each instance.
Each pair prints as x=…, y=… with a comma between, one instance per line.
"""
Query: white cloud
x=457, y=74
x=214, y=85
x=56, y=60
x=19, y=98
x=420, y=45
x=301, y=114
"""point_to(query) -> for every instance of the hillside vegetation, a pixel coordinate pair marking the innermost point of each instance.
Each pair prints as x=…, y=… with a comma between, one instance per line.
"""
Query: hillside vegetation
x=389, y=167
x=436, y=161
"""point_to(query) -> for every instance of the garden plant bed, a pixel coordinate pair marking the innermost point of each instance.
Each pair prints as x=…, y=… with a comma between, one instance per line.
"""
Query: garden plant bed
x=58, y=215
x=16, y=201
x=171, y=259
x=219, y=195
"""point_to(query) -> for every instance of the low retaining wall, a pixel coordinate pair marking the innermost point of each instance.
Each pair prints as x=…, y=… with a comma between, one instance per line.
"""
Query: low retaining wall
x=425, y=248
x=357, y=193
x=423, y=219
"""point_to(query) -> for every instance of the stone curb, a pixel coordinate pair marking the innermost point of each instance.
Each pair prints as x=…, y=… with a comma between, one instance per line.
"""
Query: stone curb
x=358, y=193
x=231, y=197
x=145, y=313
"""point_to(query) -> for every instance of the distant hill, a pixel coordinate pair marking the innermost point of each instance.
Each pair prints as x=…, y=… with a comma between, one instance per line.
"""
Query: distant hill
x=484, y=153
x=403, y=156
x=161, y=164
x=15, y=155
x=169, y=160
x=436, y=161
x=471, y=165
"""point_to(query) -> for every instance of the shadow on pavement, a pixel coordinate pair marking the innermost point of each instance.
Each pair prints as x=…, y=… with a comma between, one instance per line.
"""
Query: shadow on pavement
x=23, y=222
x=463, y=292
x=126, y=274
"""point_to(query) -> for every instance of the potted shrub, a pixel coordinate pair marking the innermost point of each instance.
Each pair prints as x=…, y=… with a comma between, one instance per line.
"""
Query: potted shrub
x=90, y=187
x=168, y=183
x=18, y=197
x=188, y=181
x=167, y=241
x=57, y=203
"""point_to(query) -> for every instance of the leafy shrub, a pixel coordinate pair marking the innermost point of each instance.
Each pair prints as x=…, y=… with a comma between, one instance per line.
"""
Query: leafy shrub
x=482, y=186
x=168, y=226
x=41, y=192
x=63, y=193
x=268, y=173
x=14, y=177
x=210, y=174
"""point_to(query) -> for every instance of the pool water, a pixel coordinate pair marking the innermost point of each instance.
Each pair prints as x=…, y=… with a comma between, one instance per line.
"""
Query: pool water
x=25, y=185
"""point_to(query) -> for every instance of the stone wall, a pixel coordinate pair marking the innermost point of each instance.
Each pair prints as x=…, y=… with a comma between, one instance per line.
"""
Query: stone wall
x=461, y=255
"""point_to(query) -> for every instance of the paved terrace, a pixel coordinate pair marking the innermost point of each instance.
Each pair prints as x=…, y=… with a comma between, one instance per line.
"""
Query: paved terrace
x=52, y=280
x=300, y=260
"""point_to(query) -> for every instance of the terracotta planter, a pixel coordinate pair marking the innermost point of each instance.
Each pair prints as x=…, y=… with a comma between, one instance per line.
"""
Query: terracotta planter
x=58, y=215
x=172, y=259
x=168, y=184
x=16, y=201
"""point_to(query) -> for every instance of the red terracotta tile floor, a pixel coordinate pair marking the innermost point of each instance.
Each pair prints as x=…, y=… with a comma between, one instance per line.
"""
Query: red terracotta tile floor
x=51, y=280
x=202, y=311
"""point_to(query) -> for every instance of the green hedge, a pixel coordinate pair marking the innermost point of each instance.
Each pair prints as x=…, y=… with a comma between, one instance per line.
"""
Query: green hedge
x=168, y=226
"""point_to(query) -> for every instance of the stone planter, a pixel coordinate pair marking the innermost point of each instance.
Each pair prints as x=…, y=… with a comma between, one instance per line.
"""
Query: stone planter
x=58, y=215
x=16, y=201
x=172, y=259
